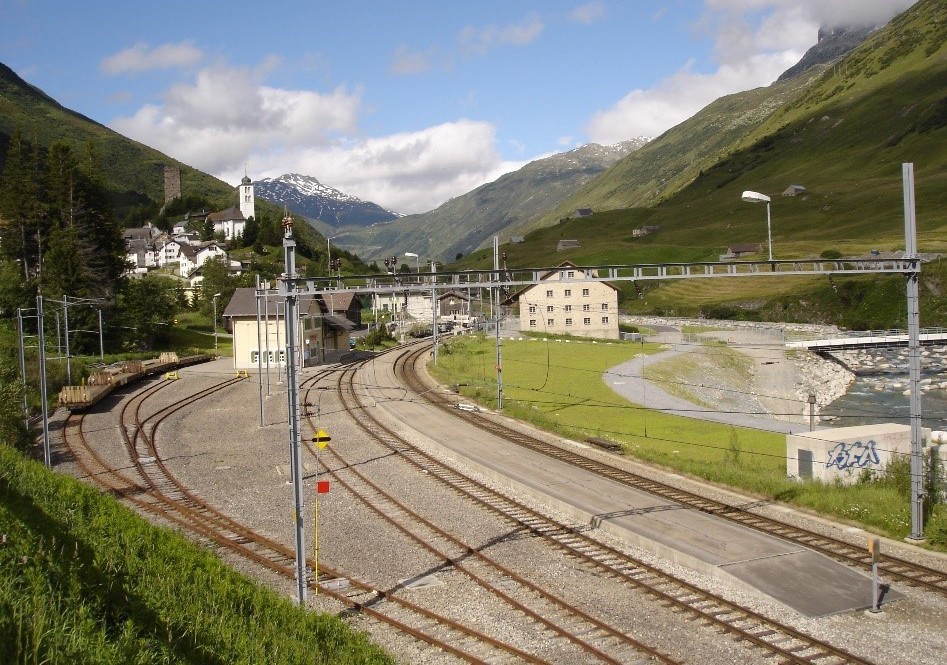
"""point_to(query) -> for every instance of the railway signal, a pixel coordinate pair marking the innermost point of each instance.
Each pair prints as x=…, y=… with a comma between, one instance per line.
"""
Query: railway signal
x=321, y=439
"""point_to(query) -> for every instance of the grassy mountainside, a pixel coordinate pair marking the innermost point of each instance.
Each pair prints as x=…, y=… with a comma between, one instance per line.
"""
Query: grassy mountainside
x=839, y=131
x=463, y=223
x=675, y=158
x=133, y=170
x=844, y=138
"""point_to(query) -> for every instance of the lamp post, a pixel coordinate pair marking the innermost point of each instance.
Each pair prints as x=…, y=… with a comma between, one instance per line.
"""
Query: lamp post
x=417, y=260
x=756, y=197
x=214, y=300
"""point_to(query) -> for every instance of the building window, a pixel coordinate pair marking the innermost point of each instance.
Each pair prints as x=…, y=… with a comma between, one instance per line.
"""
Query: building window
x=550, y=308
x=568, y=308
x=585, y=293
x=587, y=321
x=604, y=306
x=604, y=320
x=586, y=308
x=568, y=292
x=568, y=322
x=571, y=274
x=549, y=293
x=532, y=309
x=550, y=322
x=562, y=274
x=254, y=357
x=532, y=323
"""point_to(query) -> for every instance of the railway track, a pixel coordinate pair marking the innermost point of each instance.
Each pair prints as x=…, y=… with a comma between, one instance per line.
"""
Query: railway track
x=151, y=487
x=892, y=568
x=552, y=614
x=774, y=638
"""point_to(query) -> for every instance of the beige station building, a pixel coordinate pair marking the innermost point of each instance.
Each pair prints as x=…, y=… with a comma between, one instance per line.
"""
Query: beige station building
x=566, y=302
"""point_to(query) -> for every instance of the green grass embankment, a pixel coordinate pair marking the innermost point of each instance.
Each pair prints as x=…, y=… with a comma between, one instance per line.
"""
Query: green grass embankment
x=558, y=386
x=85, y=580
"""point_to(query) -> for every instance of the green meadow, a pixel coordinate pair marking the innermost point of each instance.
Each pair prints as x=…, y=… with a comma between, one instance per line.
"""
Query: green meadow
x=558, y=385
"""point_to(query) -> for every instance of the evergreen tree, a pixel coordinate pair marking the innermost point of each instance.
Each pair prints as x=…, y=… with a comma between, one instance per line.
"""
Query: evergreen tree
x=251, y=232
x=151, y=304
x=19, y=207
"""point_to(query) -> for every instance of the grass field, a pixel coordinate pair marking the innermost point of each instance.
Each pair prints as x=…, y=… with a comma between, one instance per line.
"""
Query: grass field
x=558, y=385
x=85, y=580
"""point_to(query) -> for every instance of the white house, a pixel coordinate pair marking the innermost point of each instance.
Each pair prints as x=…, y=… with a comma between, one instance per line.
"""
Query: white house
x=169, y=251
x=230, y=222
x=567, y=302
x=194, y=256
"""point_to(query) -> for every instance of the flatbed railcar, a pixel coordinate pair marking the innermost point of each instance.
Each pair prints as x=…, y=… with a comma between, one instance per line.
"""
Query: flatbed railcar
x=101, y=383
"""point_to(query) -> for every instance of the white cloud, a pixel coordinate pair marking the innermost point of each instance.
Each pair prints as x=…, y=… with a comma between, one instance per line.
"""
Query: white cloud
x=588, y=13
x=227, y=117
x=215, y=122
x=406, y=61
x=482, y=40
x=408, y=172
x=141, y=58
x=754, y=42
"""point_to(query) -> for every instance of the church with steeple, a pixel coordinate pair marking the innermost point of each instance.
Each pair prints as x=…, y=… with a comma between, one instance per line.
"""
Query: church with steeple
x=246, y=197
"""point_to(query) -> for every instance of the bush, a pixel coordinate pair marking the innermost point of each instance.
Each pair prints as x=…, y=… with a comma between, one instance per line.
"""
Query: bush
x=831, y=254
x=378, y=336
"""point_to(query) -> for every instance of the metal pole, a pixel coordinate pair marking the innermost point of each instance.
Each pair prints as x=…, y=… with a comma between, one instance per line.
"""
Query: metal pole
x=266, y=315
x=65, y=311
x=47, y=458
x=292, y=379
x=101, y=344
x=811, y=412
x=19, y=332
x=214, y=300
x=58, y=336
x=769, y=232
x=259, y=350
x=279, y=367
x=433, y=308
x=496, y=267
x=914, y=356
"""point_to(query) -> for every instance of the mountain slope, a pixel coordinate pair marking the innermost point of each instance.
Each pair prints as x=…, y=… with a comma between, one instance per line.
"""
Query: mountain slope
x=466, y=222
x=134, y=170
x=679, y=155
x=844, y=138
x=306, y=196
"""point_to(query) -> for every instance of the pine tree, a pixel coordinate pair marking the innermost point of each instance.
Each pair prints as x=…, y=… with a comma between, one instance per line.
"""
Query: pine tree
x=19, y=207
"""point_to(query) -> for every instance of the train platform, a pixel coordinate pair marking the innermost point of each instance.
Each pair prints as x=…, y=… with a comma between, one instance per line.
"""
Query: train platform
x=809, y=582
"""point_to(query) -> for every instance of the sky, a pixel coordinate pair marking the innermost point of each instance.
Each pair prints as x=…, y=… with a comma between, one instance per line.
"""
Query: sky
x=409, y=103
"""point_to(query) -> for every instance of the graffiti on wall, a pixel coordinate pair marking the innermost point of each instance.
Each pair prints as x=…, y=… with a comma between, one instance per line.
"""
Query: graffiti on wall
x=855, y=455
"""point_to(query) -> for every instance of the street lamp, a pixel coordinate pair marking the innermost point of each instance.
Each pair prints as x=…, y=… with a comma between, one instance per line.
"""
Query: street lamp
x=417, y=260
x=214, y=300
x=756, y=197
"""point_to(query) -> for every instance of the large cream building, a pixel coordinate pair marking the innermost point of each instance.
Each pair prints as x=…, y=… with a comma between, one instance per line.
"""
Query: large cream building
x=567, y=302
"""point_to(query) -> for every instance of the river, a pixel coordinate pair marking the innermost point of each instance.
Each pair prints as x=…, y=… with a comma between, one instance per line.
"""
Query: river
x=877, y=395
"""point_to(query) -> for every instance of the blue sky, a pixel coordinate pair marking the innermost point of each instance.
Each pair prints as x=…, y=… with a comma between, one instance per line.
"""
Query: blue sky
x=402, y=103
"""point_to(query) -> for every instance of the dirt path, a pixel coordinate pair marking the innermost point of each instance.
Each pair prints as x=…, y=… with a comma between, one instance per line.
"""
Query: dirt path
x=773, y=389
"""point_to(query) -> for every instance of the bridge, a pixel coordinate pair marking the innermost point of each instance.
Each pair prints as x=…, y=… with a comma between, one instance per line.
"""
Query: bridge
x=871, y=339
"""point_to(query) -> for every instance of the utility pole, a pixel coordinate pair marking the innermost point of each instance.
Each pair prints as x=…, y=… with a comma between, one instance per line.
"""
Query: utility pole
x=259, y=349
x=22, y=339
x=433, y=306
x=914, y=356
x=496, y=268
x=47, y=458
x=65, y=311
x=290, y=319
